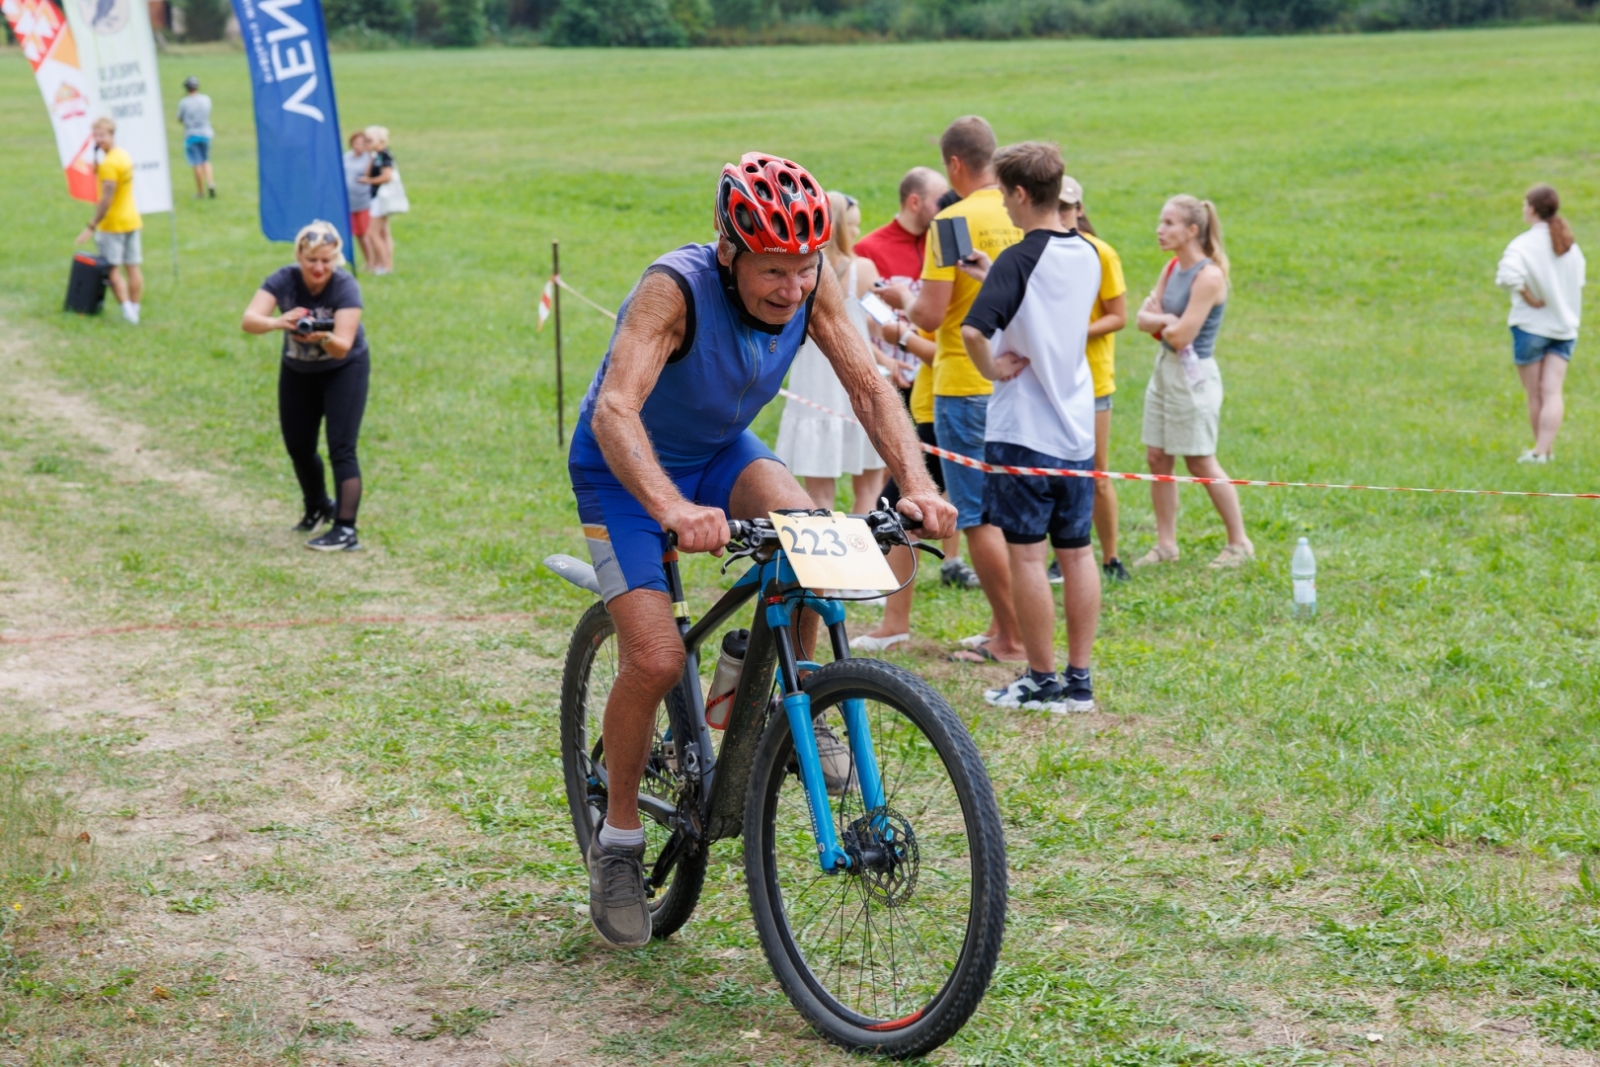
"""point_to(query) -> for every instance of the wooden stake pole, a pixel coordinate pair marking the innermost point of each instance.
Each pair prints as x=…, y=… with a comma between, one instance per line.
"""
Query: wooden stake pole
x=555, y=265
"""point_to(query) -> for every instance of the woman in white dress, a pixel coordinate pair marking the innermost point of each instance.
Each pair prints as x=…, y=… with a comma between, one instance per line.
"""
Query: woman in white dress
x=815, y=446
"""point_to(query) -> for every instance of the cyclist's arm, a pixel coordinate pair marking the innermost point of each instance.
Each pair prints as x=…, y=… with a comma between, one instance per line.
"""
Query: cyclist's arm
x=651, y=331
x=877, y=405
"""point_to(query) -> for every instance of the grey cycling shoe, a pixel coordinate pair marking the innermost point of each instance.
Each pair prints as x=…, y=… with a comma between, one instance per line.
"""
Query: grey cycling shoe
x=838, y=772
x=618, y=906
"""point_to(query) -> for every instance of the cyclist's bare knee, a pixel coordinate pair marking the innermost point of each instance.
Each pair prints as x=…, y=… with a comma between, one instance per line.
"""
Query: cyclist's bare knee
x=764, y=486
x=648, y=643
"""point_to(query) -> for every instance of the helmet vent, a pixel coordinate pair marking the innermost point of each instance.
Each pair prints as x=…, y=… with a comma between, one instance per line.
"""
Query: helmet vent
x=802, y=226
x=743, y=217
x=780, y=227
x=786, y=180
x=816, y=217
x=763, y=190
x=811, y=189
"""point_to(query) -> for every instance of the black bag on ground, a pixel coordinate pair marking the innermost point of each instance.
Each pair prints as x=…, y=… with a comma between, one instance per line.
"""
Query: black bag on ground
x=86, y=288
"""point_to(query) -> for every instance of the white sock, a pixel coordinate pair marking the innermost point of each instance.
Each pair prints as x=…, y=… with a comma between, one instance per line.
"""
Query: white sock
x=611, y=837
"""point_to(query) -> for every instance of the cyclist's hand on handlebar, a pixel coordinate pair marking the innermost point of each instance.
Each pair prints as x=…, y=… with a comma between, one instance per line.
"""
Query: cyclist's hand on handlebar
x=699, y=529
x=935, y=515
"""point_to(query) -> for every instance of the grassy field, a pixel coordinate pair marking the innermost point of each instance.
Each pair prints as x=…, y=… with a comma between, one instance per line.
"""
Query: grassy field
x=1362, y=840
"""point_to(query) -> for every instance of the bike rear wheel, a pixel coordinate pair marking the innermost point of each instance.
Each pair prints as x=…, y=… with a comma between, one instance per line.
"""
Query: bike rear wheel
x=892, y=956
x=586, y=683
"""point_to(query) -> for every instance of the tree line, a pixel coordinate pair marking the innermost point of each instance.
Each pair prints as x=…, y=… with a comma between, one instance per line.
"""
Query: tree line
x=680, y=23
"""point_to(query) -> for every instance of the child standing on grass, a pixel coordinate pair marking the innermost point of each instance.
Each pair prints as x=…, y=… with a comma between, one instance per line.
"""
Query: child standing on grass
x=1544, y=270
x=1027, y=331
x=1110, y=314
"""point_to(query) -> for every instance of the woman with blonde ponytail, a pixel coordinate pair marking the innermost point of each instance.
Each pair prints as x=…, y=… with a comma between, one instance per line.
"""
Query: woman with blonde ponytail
x=1183, y=402
x=1544, y=270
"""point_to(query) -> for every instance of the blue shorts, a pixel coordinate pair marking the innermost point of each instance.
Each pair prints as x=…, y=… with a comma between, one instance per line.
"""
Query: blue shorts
x=1529, y=348
x=958, y=423
x=197, y=150
x=1027, y=507
x=625, y=543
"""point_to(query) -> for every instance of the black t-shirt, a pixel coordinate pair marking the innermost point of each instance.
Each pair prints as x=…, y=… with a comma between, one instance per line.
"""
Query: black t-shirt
x=342, y=291
x=380, y=159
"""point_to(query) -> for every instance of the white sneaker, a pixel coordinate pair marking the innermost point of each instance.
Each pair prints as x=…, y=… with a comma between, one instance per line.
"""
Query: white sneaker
x=1029, y=694
x=130, y=312
x=868, y=643
x=1530, y=456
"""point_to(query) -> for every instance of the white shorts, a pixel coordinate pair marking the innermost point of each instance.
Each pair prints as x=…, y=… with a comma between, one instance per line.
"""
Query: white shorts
x=1180, y=418
x=118, y=249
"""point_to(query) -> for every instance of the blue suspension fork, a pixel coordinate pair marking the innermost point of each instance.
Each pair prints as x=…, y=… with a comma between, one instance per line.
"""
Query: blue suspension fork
x=797, y=706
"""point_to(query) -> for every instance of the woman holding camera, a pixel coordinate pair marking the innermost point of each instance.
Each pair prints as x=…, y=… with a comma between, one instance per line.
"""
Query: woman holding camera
x=323, y=376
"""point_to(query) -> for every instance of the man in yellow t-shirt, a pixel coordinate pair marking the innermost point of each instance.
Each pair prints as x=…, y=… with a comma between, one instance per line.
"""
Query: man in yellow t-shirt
x=1110, y=314
x=116, y=223
x=960, y=393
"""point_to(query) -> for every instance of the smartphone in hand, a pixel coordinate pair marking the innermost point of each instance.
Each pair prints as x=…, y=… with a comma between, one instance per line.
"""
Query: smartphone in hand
x=955, y=241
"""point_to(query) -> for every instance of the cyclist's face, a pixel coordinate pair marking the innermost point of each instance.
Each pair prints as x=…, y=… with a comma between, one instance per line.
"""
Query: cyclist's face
x=774, y=287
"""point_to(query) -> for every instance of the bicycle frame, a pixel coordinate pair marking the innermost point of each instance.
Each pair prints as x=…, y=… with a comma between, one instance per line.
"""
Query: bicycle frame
x=771, y=651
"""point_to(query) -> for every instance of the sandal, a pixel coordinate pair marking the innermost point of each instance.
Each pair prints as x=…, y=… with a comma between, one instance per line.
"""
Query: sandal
x=975, y=640
x=1156, y=555
x=975, y=654
x=1234, y=556
x=868, y=643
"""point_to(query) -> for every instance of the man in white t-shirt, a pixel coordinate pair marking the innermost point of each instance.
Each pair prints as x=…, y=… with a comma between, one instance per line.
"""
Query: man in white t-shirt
x=1027, y=331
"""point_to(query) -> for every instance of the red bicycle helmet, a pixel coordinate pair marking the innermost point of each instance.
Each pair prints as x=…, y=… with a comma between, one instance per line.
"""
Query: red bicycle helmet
x=768, y=204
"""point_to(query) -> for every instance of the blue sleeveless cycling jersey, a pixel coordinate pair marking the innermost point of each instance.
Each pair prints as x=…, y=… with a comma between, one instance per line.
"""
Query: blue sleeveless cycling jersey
x=729, y=366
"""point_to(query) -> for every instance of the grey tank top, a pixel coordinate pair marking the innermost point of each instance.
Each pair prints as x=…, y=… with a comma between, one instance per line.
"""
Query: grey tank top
x=1175, y=299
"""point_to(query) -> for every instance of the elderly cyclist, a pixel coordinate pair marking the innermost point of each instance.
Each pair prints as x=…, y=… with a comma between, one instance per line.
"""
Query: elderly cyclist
x=663, y=444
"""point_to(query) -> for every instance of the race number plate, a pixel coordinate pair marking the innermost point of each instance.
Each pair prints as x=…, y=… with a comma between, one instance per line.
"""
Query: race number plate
x=833, y=552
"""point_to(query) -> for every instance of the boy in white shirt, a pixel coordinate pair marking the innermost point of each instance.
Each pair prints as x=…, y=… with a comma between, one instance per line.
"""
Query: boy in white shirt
x=1034, y=310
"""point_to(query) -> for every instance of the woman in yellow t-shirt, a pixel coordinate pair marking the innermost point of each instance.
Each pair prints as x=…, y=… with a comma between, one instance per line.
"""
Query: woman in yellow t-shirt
x=1110, y=314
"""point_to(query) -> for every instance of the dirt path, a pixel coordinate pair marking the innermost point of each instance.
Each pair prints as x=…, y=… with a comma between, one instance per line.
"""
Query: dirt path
x=367, y=973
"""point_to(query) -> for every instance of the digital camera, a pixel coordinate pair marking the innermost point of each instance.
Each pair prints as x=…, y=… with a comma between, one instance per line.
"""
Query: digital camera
x=311, y=325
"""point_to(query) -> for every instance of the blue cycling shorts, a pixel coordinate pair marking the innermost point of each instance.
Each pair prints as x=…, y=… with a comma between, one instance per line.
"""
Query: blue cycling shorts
x=625, y=543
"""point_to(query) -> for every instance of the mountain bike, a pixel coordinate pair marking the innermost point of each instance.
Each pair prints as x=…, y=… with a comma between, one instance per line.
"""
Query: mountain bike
x=880, y=908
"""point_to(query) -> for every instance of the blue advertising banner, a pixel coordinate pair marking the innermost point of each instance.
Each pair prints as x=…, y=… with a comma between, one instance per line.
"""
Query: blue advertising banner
x=300, y=156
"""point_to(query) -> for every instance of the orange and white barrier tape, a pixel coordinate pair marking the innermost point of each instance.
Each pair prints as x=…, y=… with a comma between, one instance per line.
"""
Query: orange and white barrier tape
x=1181, y=479
x=1175, y=479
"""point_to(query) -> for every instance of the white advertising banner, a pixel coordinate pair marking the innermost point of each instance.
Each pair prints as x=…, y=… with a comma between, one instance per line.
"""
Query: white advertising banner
x=118, y=52
x=67, y=88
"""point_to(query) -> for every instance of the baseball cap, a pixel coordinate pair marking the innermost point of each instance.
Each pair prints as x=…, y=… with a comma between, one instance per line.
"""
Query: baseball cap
x=1071, y=191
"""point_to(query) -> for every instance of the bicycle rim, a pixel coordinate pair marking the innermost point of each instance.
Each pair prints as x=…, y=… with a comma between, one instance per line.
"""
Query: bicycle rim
x=893, y=956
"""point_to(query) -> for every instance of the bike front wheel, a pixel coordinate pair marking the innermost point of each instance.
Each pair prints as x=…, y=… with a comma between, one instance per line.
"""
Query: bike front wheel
x=675, y=867
x=891, y=956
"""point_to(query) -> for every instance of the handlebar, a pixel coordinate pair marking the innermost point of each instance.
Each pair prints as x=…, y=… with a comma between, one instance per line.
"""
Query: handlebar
x=887, y=525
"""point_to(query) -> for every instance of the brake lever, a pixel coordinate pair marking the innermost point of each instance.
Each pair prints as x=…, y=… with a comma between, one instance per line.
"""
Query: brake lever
x=929, y=547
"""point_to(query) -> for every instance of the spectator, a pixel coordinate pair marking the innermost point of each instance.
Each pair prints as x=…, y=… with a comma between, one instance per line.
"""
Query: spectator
x=323, y=376
x=1544, y=270
x=116, y=223
x=1036, y=303
x=358, y=185
x=1183, y=402
x=896, y=248
x=194, y=111
x=1110, y=314
x=815, y=446
x=388, y=199
x=960, y=393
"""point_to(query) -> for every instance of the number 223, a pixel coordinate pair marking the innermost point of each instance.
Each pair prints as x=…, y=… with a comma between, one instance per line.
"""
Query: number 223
x=833, y=547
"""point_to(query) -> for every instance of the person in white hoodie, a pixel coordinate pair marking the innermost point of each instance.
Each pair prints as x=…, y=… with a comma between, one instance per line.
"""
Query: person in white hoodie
x=1544, y=271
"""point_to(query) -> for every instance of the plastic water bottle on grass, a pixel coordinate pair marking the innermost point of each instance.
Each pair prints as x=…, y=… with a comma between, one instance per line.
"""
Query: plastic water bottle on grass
x=1303, y=569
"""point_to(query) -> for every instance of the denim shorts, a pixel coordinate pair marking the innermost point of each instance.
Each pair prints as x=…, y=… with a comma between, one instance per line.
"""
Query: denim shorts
x=958, y=423
x=625, y=543
x=1027, y=507
x=197, y=150
x=1529, y=348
